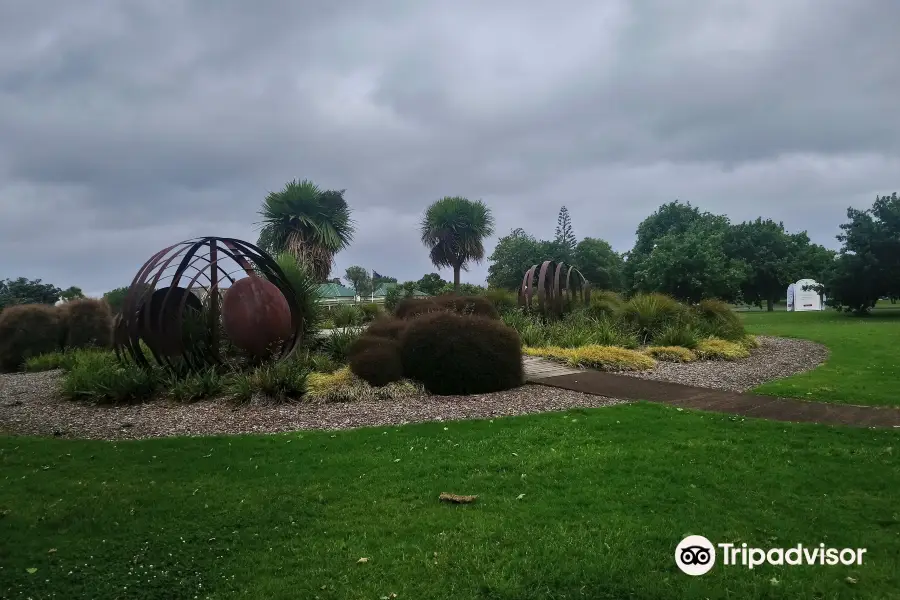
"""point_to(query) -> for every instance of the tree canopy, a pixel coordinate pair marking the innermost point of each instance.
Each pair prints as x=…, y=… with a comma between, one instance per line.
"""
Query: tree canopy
x=29, y=291
x=454, y=229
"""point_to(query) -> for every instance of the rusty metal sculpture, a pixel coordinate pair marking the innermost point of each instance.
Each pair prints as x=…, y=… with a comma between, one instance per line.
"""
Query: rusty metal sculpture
x=556, y=288
x=190, y=298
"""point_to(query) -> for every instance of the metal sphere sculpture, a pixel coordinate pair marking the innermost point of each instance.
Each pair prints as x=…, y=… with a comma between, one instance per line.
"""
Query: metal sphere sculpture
x=190, y=297
x=556, y=288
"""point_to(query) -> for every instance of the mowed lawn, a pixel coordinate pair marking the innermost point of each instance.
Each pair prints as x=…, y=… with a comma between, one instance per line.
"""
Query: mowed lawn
x=864, y=364
x=583, y=504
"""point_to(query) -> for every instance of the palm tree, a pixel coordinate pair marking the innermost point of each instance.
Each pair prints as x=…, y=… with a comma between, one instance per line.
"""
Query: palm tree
x=307, y=222
x=454, y=228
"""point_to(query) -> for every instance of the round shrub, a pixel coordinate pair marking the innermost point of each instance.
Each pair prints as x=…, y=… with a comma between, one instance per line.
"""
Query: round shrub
x=469, y=305
x=366, y=341
x=671, y=353
x=454, y=354
x=647, y=314
x=715, y=318
x=28, y=330
x=378, y=364
x=604, y=303
x=388, y=327
x=87, y=323
x=409, y=308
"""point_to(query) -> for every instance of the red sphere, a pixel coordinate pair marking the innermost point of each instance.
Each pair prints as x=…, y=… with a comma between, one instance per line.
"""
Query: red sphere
x=256, y=316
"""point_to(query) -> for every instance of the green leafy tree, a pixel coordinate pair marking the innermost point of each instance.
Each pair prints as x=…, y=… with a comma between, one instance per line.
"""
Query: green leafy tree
x=868, y=267
x=116, y=298
x=671, y=218
x=771, y=258
x=431, y=284
x=517, y=252
x=310, y=223
x=397, y=292
x=27, y=291
x=360, y=280
x=454, y=229
x=71, y=293
x=565, y=237
x=599, y=263
x=466, y=289
x=692, y=265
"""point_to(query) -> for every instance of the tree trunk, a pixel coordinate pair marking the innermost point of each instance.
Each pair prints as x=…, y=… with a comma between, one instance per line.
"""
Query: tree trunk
x=770, y=304
x=456, y=270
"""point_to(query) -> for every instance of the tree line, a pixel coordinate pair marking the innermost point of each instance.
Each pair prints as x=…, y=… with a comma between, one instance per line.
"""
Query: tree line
x=679, y=250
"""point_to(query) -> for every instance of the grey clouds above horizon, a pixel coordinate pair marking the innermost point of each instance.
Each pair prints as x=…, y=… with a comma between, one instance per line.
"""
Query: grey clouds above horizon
x=125, y=127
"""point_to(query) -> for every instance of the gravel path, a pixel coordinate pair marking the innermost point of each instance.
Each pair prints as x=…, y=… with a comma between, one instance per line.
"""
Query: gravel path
x=24, y=411
x=774, y=359
x=30, y=403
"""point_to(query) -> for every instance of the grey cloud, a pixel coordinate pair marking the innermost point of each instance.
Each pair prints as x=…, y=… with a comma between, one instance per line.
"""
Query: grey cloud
x=126, y=126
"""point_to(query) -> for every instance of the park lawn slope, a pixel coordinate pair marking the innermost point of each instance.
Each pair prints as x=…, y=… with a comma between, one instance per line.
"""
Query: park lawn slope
x=864, y=362
x=588, y=503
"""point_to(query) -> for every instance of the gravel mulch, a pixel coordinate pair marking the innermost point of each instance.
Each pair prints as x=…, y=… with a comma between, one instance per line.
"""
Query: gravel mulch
x=29, y=404
x=774, y=359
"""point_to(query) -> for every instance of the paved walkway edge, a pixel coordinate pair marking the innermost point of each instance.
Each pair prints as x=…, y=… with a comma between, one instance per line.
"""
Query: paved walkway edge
x=789, y=410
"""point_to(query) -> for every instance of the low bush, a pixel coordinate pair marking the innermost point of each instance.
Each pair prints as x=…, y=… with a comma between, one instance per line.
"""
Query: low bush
x=410, y=308
x=343, y=386
x=647, y=314
x=604, y=304
x=99, y=377
x=452, y=354
x=610, y=358
x=503, y=300
x=28, y=330
x=671, y=354
x=368, y=340
x=719, y=349
x=750, y=342
x=378, y=364
x=386, y=326
x=280, y=381
x=336, y=344
x=346, y=315
x=479, y=306
x=370, y=311
x=678, y=333
x=87, y=323
x=603, y=358
x=715, y=318
x=49, y=362
x=196, y=386
x=321, y=363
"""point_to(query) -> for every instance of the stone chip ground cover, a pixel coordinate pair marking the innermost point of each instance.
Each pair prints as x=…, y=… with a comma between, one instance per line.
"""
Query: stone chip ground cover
x=30, y=404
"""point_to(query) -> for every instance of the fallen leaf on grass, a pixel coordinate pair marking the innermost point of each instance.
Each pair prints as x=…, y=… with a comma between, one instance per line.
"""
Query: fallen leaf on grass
x=520, y=496
x=31, y=570
x=445, y=497
x=850, y=580
x=362, y=560
x=51, y=550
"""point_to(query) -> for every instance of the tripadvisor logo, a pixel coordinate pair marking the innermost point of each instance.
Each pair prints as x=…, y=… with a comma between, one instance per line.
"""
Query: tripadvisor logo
x=696, y=555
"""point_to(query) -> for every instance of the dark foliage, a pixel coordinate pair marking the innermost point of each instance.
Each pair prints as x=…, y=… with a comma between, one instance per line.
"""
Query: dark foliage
x=715, y=318
x=378, y=364
x=461, y=354
x=366, y=341
x=469, y=305
x=503, y=300
x=370, y=311
x=408, y=308
x=386, y=326
x=87, y=323
x=28, y=330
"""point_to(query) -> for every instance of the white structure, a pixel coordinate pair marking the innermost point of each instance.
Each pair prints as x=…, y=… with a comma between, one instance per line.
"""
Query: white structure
x=805, y=299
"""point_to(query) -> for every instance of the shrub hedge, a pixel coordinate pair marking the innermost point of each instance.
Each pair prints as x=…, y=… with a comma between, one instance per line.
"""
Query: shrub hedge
x=386, y=326
x=451, y=354
x=28, y=330
x=378, y=364
x=87, y=323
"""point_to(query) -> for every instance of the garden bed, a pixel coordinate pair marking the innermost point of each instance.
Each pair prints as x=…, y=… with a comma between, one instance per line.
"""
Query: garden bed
x=774, y=359
x=30, y=403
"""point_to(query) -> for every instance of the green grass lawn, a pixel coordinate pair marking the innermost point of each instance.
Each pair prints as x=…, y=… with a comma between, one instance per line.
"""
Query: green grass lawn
x=584, y=504
x=864, y=365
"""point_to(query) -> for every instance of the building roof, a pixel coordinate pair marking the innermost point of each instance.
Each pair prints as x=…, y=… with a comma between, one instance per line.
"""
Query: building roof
x=333, y=290
x=382, y=290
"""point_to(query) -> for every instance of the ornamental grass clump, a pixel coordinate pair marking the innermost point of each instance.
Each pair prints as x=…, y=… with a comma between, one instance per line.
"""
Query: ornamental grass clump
x=719, y=349
x=676, y=354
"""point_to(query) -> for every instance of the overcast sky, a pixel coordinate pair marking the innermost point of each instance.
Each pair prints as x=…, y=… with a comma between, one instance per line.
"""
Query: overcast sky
x=128, y=126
